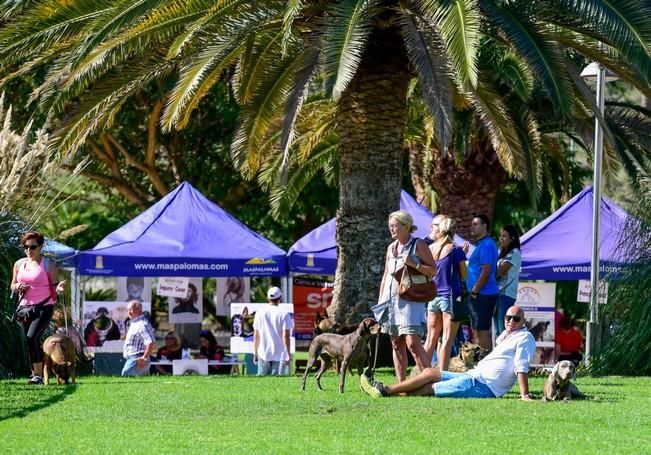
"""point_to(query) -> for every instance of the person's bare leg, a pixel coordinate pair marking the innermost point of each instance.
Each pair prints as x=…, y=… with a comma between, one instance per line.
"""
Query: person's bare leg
x=399, y=357
x=483, y=338
x=414, y=384
x=434, y=329
x=415, y=346
x=450, y=329
x=37, y=368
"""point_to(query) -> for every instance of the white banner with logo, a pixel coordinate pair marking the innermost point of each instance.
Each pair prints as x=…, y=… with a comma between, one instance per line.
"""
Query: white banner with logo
x=538, y=300
x=242, y=316
x=585, y=288
x=173, y=286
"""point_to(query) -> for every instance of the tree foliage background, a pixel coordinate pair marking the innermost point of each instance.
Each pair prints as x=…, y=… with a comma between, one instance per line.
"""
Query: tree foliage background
x=626, y=319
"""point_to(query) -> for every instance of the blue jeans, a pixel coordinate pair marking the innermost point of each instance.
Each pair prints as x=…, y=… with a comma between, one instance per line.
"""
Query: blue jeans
x=273, y=368
x=504, y=302
x=131, y=367
x=460, y=385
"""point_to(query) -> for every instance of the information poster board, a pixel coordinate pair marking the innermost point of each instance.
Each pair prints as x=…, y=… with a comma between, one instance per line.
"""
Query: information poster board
x=189, y=309
x=105, y=324
x=242, y=317
x=134, y=288
x=310, y=297
x=232, y=289
x=538, y=300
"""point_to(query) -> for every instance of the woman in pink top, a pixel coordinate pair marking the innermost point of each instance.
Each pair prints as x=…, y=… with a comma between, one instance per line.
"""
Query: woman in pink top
x=35, y=279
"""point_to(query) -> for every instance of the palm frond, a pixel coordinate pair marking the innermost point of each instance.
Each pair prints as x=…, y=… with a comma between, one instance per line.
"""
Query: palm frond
x=282, y=198
x=98, y=109
x=123, y=14
x=610, y=59
x=458, y=22
x=257, y=115
x=624, y=24
x=46, y=25
x=293, y=9
x=427, y=53
x=203, y=70
x=306, y=68
x=208, y=12
x=536, y=47
x=495, y=117
x=345, y=40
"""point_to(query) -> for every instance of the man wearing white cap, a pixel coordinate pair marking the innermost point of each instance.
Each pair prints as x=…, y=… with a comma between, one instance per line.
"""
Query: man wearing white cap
x=271, y=346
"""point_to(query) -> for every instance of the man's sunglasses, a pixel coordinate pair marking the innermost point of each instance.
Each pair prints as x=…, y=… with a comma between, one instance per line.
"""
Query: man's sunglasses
x=515, y=318
x=30, y=247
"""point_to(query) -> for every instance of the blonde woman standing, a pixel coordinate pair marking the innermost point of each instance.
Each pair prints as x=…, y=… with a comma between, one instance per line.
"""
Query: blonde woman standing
x=406, y=318
x=451, y=272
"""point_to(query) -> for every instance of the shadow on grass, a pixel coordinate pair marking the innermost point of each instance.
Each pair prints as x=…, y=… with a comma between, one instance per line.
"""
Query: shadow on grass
x=19, y=400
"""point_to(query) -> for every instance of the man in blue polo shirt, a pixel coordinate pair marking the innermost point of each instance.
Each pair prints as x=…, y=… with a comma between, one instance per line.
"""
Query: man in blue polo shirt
x=481, y=281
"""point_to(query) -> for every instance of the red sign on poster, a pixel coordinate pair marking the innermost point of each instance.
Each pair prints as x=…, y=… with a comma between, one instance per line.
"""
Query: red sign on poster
x=310, y=297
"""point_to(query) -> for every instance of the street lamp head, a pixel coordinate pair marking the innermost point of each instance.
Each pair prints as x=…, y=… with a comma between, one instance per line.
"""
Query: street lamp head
x=591, y=71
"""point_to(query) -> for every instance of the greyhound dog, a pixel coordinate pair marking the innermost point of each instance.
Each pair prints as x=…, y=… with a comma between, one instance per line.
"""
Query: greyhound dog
x=351, y=349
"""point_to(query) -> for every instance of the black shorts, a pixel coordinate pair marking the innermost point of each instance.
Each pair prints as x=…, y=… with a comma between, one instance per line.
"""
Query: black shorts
x=481, y=311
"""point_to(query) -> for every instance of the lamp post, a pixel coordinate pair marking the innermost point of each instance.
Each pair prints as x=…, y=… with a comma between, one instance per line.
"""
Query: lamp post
x=591, y=72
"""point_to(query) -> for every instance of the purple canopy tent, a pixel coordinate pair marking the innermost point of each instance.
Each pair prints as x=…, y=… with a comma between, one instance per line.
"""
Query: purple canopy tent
x=184, y=234
x=316, y=252
x=559, y=247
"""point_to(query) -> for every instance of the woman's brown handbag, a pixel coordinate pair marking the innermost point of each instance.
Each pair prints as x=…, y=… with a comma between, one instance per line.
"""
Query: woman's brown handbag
x=414, y=286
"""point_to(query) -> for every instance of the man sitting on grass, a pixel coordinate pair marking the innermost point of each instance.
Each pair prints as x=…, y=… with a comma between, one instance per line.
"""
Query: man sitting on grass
x=492, y=377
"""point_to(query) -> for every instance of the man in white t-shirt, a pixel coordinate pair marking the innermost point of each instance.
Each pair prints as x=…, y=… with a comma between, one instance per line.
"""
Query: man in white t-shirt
x=492, y=377
x=271, y=344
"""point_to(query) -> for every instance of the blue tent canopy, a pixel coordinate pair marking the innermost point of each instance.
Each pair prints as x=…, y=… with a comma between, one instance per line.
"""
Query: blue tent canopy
x=316, y=252
x=184, y=234
x=63, y=254
x=560, y=247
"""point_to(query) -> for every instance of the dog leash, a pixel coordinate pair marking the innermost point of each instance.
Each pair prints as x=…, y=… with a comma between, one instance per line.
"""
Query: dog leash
x=377, y=343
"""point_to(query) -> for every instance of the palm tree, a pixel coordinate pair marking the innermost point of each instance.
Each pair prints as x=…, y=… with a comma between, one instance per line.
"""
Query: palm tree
x=100, y=52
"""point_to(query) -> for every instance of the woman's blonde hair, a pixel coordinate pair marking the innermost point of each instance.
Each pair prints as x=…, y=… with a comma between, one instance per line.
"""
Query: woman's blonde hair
x=448, y=227
x=404, y=218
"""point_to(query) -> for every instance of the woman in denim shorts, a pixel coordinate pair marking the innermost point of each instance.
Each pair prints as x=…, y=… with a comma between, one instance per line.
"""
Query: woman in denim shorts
x=451, y=271
x=406, y=318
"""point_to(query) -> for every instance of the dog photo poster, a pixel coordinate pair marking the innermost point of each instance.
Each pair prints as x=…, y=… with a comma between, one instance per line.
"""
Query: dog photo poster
x=134, y=288
x=538, y=300
x=105, y=324
x=229, y=290
x=187, y=310
x=242, y=317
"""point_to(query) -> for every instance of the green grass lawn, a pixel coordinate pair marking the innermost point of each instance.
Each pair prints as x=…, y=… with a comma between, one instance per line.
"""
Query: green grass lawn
x=271, y=415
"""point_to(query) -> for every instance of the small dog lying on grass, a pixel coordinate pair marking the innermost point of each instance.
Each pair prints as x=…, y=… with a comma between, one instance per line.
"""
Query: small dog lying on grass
x=469, y=355
x=61, y=358
x=350, y=350
x=559, y=383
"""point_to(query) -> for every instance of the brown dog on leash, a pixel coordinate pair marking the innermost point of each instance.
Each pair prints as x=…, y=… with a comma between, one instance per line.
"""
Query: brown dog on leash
x=559, y=383
x=351, y=349
x=60, y=358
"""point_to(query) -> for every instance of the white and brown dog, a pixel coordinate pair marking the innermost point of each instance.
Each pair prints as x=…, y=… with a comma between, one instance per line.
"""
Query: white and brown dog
x=559, y=383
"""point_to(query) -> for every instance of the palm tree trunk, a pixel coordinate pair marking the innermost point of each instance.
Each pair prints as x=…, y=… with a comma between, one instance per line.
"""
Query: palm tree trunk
x=463, y=189
x=371, y=120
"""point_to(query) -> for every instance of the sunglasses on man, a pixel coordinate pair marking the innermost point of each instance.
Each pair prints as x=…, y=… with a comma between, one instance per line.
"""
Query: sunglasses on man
x=30, y=247
x=515, y=318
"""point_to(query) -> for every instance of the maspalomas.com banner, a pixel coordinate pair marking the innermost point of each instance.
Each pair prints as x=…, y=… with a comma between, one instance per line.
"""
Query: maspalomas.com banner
x=310, y=297
x=106, y=265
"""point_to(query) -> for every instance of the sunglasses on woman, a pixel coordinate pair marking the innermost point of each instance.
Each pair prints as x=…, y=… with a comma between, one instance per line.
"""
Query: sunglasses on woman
x=30, y=247
x=515, y=318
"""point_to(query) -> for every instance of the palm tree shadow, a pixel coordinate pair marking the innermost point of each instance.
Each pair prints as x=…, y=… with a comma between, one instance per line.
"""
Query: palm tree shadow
x=19, y=400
